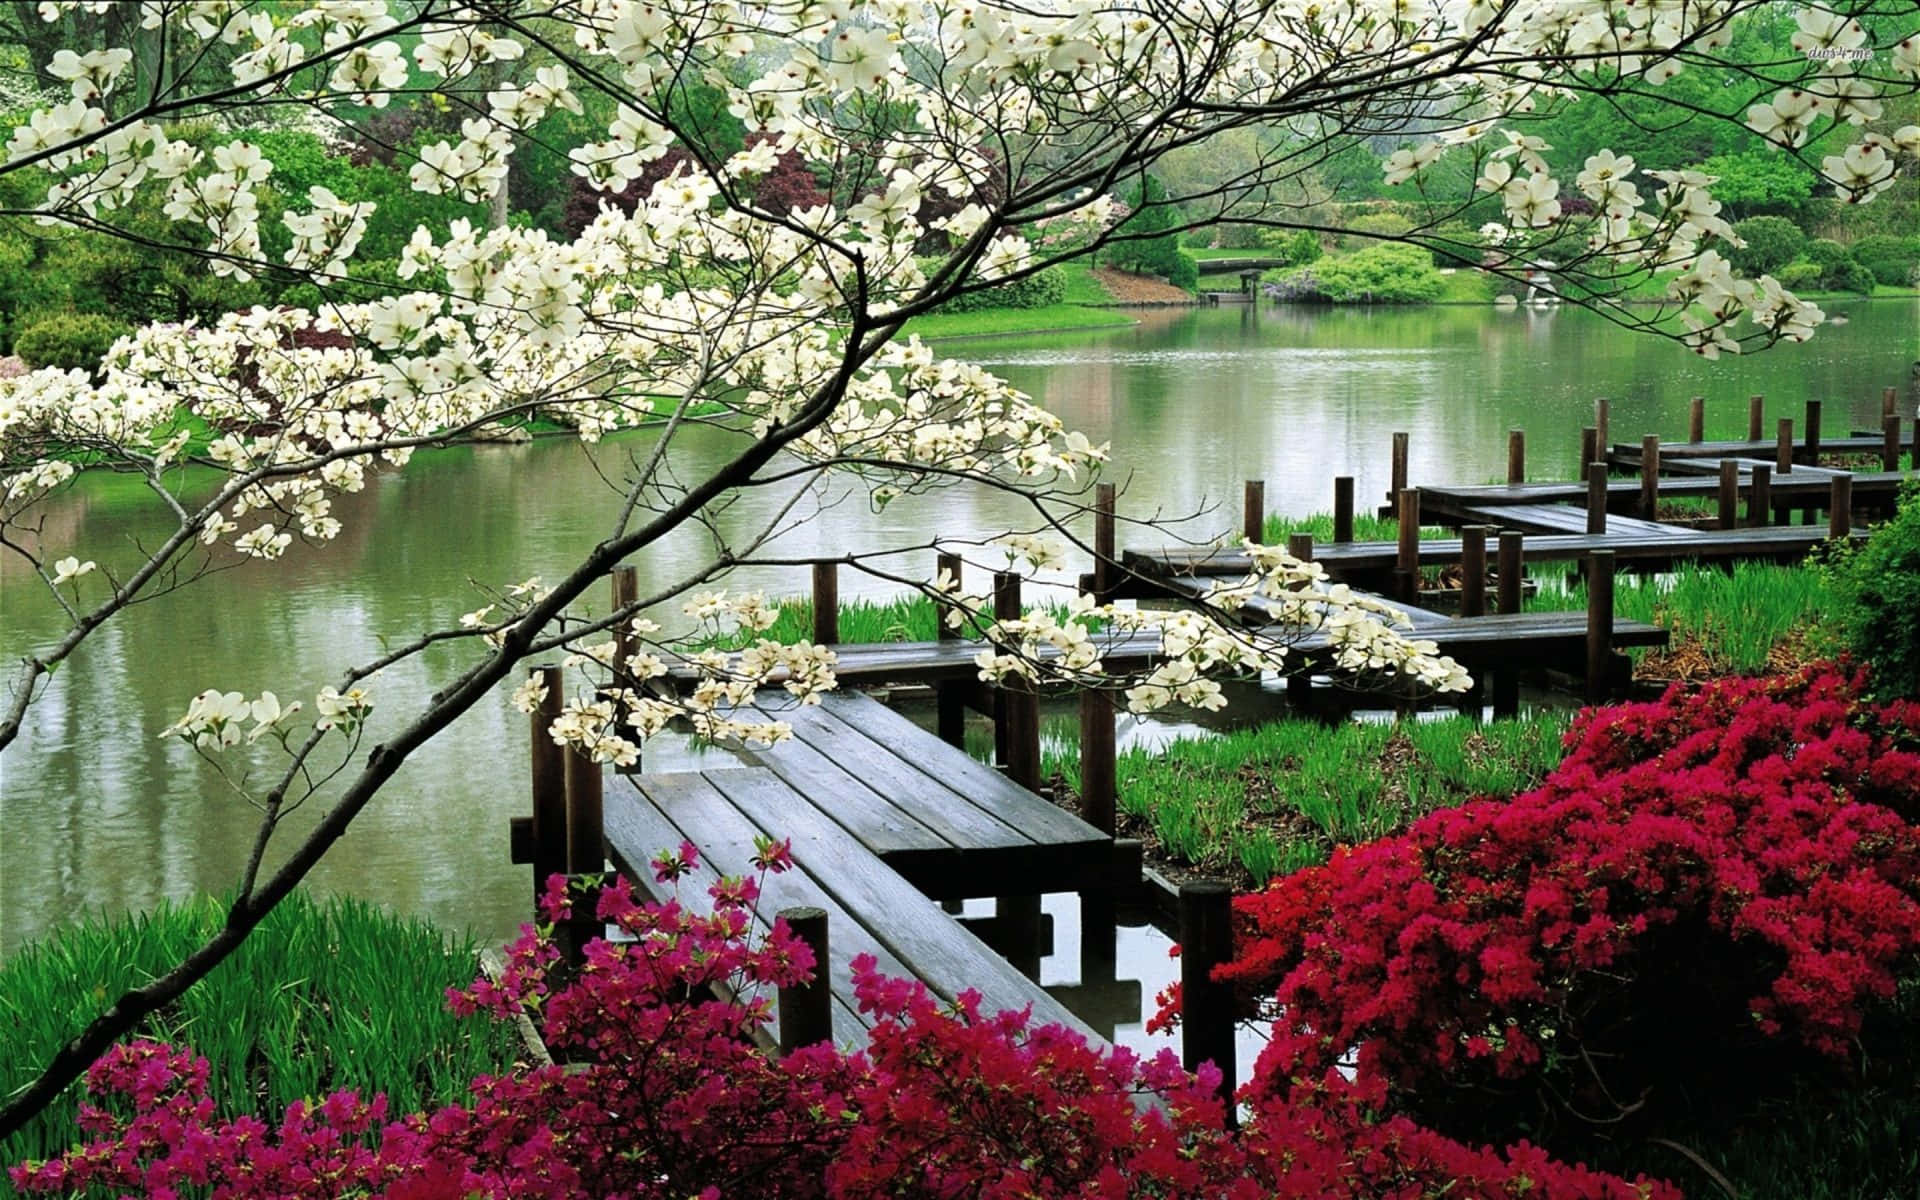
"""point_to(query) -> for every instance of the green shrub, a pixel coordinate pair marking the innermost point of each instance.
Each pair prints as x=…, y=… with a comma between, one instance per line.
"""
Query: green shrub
x=1799, y=276
x=1875, y=591
x=1034, y=291
x=68, y=340
x=1894, y=261
x=1387, y=273
x=1772, y=243
x=1382, y=224
x=1147, y=255
x=1298, y=248
x=1848, y=276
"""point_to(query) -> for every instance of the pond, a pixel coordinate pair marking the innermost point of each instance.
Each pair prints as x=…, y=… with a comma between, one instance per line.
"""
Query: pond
x=102, y=813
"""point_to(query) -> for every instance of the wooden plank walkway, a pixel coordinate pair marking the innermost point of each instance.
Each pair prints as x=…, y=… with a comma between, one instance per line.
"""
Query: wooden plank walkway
x=1657, y=552
x=876, y=664
x=1563, y=519
x=1627, y=454
x=1801, y=487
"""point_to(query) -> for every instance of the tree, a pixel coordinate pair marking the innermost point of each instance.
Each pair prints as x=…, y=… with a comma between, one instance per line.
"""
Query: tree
x=779, y=328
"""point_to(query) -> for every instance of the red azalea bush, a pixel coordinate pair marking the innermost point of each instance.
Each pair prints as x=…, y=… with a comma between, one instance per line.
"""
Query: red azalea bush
x=668, y=1097
x=1711, y=889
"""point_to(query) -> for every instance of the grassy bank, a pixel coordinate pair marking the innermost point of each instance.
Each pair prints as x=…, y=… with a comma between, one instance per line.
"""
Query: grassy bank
x=323, y=996
x=986, y=322
x=1366, y=528
x=1273, y=799
x=1723, y=620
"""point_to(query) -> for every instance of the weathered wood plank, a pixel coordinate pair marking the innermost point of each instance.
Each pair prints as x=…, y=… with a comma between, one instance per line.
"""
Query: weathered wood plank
x=1563, y=519
x=1627, y=454
x=875, y=664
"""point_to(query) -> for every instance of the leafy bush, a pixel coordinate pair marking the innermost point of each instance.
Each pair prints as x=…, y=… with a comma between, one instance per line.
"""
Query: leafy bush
x=1297, y=248
x=1799, y=276
x=68, y=340
x=1034, y=291
x=1386, y=273
x=1894, y=261
x=1839, y=270
x=1875, y=597
x=1144, y=254
x=1754, y=182
x=1707, y=898
x=1772, y=243
x=1382, y=224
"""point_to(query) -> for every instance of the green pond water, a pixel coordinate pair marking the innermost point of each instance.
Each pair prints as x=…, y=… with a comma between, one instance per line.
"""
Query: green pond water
x=101, y=812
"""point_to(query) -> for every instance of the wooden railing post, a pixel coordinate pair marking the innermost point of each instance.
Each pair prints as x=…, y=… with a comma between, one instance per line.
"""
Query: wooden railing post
x=1756, y=417
x=1589, y=450
x=1729, y=493
x=1650, y=477
x=1343, y=508
x=1300, y=683
x=1812, y=451
x=1840, y=506
x=1599, y=625
x=1697, y=420
x=1888, y=401
x=1206, y=1006
x=1603, y=448
x=1406, y=563
x=1783, y=446
x=1104, y=564
x=626, y=592
x=1397, y=481
x=805, y=1010
x=1512, y=570
x=549, y=826
x=1473, y=571
x=949, y=696
x=826, y=603
x=1760, y=498
x=1253, y=511
x=1516, y=456
x=1889, y=442
x=586, y=830
x=1019, y=704
x=1097, y=770
x=1596, y=497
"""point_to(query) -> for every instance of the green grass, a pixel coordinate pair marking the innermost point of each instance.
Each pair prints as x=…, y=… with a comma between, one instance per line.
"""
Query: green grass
x=1465, y=286
x=1735, y=617
x=1366, y=528
x=1082, y=287
x=909, y=618
x=323, y=996
x=1046, y=319
x=1273, y=799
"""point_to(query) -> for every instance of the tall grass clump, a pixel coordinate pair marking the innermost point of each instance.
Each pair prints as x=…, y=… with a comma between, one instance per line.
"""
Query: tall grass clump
x=1735, y=617
x=322, y=996
x=1273, y=799
x=1366, y=528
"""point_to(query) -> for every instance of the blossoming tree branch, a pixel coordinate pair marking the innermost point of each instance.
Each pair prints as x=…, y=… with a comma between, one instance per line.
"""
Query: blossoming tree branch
x=956, y=147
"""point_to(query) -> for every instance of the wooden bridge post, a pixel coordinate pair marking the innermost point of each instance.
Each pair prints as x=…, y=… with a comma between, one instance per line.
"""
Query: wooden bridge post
x=1812, y=452
x=1253, y=511
x=1760, y=499
x=1512, y=569
x=1756, y=417
x=1840, y=506
x=1397, y=481
x=1888, y=400
x=1406, y=563
x=586, y=832
x=1300, y=683
x=626, y=593
x=1783, y=446
x=1019, y=703
x=949, y=696
x=1889, y=442
x=826, y=603
x=1589, y=450
x=1473, y=571
x=1697, y=420
x=1650, y=477
x=1206, y=1006
x=805, y=1010
x=1602, y=447
x=1516, y=456
x=1098, y=801
x=1599, y=625
x=549, y=825
x=1343, y=508
x=1596, y=496
x=1104, y=563
x=1729, y=493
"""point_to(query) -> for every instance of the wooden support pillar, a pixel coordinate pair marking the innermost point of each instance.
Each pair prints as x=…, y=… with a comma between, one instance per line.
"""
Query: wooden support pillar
x=1300, y=546
x=1406, y=563
x=1019, y=705
x=1516, y=456
x=1650, y=477
x=1756, y=417
x=1397, y=481
x=1105, y=564
x=826, y=603
x=1473, y=571
x=1343, y=508
x=1697, y=420
x=1300, y=683
x=549, y=774
x=1512, y=570
x=1206, y=1016
x=1097, y=756
x=1783, y=447
x=1589, y=450
x=586, y=829
x=1253, y=510
x=805, y=1010
x=626, y=592
x=1889, y=442
x=1602, y=446
x=1596, y=497
x=1840, y=506
x=1811, y=455
x=1729, y=493
x=1889, y=398
x=1760, y=499
x=950, y=700
x=1599, y=625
